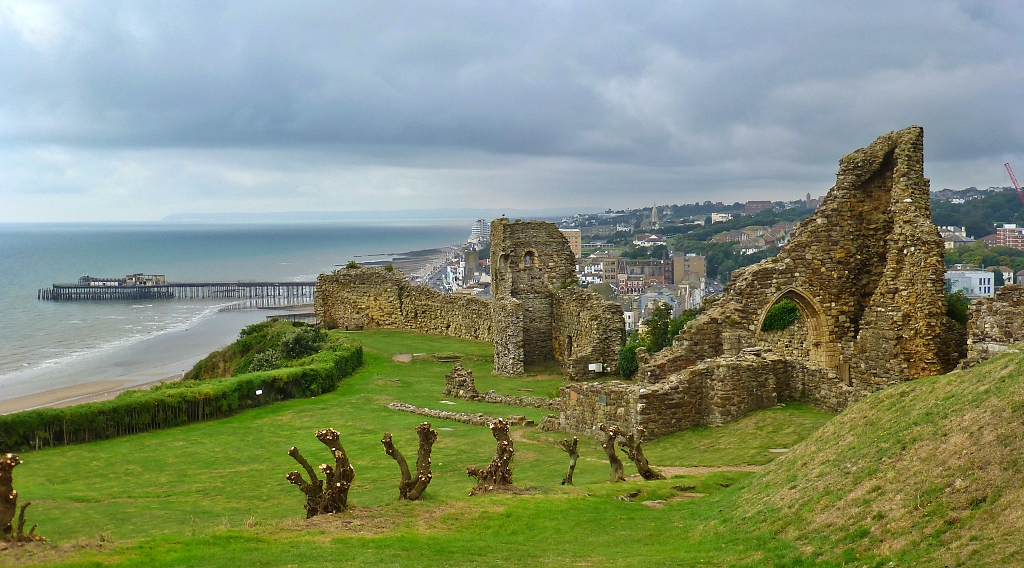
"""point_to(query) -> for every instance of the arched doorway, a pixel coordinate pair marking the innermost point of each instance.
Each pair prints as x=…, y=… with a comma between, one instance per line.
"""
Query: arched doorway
x=806, y=338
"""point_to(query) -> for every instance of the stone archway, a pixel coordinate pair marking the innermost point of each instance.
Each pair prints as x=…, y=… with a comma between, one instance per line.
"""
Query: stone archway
x=808, y=338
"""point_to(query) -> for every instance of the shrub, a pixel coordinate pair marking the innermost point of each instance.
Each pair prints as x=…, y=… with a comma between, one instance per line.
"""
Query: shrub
x=956, y=306
x=657, y=334
x=303, y=342
x=627, y=359
x=389, y=267
x=352, y=264
x=782, y=315
x=266, y=361
x=677, y=324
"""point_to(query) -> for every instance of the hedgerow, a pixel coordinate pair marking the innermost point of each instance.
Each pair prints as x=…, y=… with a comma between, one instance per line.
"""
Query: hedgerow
x=177, y=403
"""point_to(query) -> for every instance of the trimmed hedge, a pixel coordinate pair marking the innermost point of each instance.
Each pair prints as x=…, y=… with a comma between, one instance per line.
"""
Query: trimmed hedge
x=174, y=404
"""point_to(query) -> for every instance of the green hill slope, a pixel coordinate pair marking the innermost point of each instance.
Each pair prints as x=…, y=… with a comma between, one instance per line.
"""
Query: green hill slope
x=929, y=472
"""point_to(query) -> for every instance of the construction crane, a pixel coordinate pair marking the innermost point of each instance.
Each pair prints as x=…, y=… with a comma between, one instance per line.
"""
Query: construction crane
x=1016, y=185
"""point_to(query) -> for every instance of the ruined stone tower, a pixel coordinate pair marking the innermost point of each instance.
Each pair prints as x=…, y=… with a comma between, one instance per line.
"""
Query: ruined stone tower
x=539, y=312
x=529, y=261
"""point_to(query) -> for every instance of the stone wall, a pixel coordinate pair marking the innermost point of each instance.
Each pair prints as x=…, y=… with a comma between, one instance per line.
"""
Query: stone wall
x=507, y=314
x=994, y=324
x=538, y=313
x=713, y=392
x=586, y=330
x=358, y=298
x=866, y=271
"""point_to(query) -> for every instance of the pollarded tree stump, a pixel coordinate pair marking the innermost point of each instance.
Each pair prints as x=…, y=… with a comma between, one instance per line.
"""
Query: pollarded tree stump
x=9, y=504
x=498, y=473
x=328, y=495
x=611, y=433
x=412, y=487
x=631, y=444
x=574, y=454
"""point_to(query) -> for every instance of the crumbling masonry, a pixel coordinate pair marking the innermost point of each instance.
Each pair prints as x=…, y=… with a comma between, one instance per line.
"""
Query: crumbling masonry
x=865, y=270
x=538, y=314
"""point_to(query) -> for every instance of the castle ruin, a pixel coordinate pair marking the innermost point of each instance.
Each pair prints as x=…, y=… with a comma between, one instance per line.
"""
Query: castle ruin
x=537, y=314
x=867, y=274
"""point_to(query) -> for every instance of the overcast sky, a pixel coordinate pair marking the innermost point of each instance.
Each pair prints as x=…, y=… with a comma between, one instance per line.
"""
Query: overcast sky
x=136, y=110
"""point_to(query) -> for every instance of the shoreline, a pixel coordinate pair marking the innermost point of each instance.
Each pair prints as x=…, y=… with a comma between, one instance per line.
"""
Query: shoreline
x=166, y=356
x=150, y=360
x=95, y=391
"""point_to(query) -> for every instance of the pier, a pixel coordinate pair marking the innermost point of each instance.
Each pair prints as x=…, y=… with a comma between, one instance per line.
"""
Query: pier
x=258, y=293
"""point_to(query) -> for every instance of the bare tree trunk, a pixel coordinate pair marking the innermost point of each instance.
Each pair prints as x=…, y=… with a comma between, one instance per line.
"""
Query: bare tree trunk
x=411, y=488
x=9, y=504
x=612, y=432
x=499, y=471
x=631, y=444
x=8, y=496
x=574, y=454
x=329, y=495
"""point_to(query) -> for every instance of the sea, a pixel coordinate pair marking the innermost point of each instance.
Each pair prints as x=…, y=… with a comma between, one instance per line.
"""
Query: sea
x=44, y=343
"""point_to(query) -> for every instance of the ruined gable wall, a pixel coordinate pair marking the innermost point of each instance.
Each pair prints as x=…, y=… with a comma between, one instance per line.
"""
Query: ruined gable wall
x=585, y=329
x=994, y=323
x=357, y=298
x=866, y=270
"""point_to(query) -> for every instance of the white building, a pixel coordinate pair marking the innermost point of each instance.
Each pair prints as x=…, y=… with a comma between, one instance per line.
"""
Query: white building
x=721, y=217
x=481, y=231
x=974, y=283
x=630, y=318
x=592, y=273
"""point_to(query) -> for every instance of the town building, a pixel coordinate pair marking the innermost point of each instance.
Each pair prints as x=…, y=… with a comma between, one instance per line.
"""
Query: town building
x=597, y=230
x=655, y=271
x=720, y=217
x=575, y=238
x=689, y=268
x=649, y=240
x=480, y=231
x=955, y=237
x=1006, y=271
x=1010, y=235
x=973, y=283
x=754, y=207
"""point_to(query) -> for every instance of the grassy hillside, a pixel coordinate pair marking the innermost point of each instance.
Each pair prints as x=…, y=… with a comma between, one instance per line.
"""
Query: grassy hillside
x=927, y=473
x=214, y=493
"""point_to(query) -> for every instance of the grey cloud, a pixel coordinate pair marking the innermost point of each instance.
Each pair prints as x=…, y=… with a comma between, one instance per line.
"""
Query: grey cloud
x=756, y=94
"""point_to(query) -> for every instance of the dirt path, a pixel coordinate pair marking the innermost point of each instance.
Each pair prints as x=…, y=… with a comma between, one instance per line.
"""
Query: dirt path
x=672, y=471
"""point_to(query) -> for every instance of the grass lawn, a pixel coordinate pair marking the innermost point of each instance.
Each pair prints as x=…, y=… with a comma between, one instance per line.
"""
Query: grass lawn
x=215, y=494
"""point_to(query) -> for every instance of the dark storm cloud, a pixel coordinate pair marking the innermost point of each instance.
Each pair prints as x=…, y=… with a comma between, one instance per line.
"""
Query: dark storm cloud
x=730, y=90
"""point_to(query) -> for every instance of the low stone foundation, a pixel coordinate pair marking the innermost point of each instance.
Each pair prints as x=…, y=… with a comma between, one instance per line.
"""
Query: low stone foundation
x=460, y=384
x=712, y=392
x=478, y=419
x=994, y=324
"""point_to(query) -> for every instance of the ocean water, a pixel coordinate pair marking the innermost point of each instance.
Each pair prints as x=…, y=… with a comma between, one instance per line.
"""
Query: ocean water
x=38, y=334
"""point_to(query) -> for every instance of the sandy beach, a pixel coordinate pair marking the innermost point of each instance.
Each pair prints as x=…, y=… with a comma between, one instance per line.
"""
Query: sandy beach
x=103, y=375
